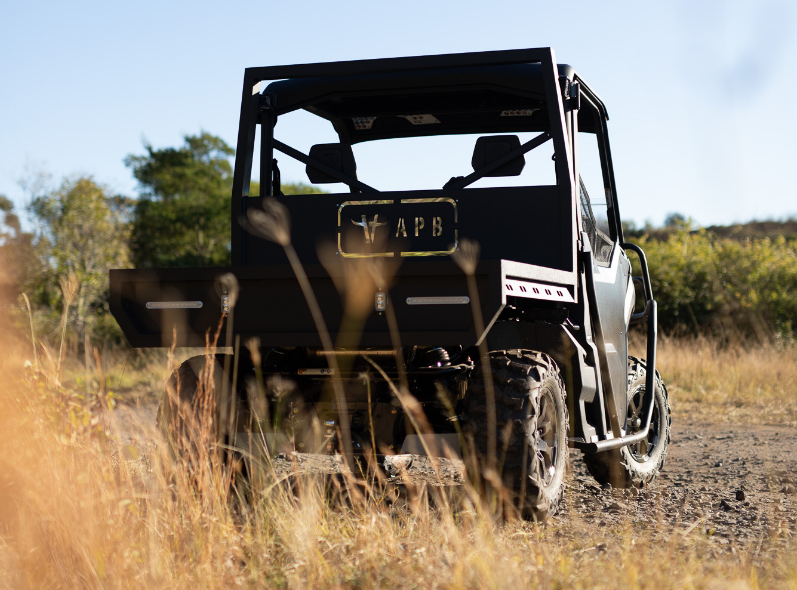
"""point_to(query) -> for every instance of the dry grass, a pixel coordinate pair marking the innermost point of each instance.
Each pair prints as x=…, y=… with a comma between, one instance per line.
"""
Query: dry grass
x=79, y=510
x=747, y=383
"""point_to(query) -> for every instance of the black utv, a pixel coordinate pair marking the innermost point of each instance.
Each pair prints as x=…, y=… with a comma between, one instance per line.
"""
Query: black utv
x=485, y=317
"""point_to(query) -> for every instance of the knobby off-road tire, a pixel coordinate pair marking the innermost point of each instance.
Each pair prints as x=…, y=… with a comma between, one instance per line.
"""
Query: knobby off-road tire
x=191, y=412
x=531, y=407
x=636, y=465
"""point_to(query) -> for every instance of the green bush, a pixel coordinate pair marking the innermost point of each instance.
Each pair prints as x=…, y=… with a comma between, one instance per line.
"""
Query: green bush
x=730, y=287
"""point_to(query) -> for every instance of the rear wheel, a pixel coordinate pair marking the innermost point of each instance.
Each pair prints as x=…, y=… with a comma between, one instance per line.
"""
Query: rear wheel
x=192, y=417
x=636, y=465
x=531, y=431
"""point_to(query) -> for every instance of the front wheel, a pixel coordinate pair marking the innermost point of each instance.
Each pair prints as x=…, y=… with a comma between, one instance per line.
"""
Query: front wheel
x=636, y=465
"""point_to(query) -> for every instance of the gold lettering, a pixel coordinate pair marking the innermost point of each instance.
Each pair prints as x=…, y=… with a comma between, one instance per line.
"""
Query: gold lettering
x=400, y=228
x=437, y=226
x=418, y=225
x=372, y=225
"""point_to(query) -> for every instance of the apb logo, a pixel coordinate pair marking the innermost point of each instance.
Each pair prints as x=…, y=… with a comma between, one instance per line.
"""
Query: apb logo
x=372, y=225
x=409, y=227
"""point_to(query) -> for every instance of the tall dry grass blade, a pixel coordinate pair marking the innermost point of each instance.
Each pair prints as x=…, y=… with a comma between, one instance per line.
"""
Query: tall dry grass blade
x=395, y=340
x=256, y=392
x=273, y=223
x=69, y=288
x=467, y=258
x=32, y=333
x=100, y=374
x=414, y=411
x=86, y=357
x=228, y=289
x=372, y=454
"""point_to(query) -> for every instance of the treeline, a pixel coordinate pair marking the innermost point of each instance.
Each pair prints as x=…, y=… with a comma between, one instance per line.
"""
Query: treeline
x=181, y=217
x=733, y=282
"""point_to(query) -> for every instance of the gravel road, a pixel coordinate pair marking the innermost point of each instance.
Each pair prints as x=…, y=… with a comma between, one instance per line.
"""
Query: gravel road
x=733, y=483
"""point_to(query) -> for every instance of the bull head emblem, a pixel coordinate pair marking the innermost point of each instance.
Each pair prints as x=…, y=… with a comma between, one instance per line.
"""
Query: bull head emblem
x=369, y=227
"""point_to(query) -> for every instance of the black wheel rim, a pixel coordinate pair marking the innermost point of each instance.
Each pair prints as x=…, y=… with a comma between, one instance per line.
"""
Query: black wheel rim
x=642, y=450
x=547, y=438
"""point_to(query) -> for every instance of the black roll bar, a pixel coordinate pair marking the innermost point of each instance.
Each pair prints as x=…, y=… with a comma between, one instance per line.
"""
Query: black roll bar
x=460, y=182
x=336, y=174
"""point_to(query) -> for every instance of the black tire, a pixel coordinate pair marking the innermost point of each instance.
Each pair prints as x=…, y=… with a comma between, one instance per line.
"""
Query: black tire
x=531, y=408
x=191, y=414
x=636, y=465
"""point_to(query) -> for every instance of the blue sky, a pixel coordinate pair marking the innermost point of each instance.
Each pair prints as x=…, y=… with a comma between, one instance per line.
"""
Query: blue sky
x=698, y=92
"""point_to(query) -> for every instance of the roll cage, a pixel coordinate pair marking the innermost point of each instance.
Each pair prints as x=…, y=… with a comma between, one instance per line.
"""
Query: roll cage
x=488, y=92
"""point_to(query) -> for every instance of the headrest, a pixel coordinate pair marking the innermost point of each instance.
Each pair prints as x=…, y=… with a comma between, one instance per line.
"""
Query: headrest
x=335, y=155
x=489, y=149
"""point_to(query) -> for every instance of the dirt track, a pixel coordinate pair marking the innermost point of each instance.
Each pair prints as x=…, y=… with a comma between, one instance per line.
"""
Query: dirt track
x=708, y=465
x=734, y=484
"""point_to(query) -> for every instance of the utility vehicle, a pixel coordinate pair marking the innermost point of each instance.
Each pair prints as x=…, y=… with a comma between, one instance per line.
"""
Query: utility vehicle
x=487, y=316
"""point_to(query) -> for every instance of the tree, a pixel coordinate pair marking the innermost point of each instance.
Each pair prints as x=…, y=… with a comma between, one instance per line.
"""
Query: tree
x=677, y=221
x=299, y=188
x=16, y=247
x=83, y=231
x=182, y=217
x=17, y=260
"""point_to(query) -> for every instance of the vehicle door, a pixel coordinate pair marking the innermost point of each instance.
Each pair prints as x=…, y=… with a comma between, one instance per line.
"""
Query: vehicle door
x=612, y=269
